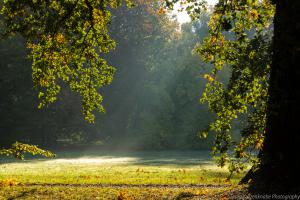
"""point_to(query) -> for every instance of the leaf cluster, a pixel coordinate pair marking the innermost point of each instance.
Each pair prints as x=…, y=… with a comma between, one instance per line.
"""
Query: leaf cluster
x=18, y=150
x=67, y=41
x=239, y=40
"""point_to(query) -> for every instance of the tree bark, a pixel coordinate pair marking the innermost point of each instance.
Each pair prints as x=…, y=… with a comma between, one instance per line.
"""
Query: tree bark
x=280, y=166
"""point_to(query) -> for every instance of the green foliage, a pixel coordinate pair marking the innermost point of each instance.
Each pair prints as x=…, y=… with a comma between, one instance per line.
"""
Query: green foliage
x=239, y=39
x=158, y=81
x=151, y=104
x=67, y=40
x=18, y=150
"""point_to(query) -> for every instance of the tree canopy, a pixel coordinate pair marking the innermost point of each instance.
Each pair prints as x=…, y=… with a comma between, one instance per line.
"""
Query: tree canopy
x=67, y=41
x=240, y=39
x=155, y=91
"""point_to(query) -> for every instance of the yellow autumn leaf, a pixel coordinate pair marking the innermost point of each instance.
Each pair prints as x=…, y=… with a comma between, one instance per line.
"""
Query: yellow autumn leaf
x=60, y=38
x=202, y=192
x=254, y=14
x=259, y=144
x=161, y=11
x=208, y=77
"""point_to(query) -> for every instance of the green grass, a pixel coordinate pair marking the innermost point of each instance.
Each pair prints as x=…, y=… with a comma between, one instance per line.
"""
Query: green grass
x=167, y=168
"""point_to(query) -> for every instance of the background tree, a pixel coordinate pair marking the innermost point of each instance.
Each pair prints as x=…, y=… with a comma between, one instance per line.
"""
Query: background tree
x=151, y=104
x=148, y=116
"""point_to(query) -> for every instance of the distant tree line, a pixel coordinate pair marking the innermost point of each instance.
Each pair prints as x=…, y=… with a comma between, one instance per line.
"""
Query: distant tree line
x=153, y=102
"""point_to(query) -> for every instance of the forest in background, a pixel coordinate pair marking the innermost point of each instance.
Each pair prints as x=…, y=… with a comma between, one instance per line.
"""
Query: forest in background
x=153, y=102
x=68, y=41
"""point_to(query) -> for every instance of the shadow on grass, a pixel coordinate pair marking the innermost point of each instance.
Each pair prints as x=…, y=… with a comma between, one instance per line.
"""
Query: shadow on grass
x=23, y=194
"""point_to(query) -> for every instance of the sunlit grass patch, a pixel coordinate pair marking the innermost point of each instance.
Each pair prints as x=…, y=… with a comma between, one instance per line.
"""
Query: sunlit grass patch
x=42, y=172
x=113, y=176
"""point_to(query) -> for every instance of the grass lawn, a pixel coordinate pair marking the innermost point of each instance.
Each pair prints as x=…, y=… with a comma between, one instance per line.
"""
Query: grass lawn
x=114, y=175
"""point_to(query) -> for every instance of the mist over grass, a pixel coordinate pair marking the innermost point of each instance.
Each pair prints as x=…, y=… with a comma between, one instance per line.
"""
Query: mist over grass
x=169, y=167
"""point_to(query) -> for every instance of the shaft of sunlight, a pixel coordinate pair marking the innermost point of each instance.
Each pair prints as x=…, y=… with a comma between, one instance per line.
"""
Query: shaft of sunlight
x=182, y=17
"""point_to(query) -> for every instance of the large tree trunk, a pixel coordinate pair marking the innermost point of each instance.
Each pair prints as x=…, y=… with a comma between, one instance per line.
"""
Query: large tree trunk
x=280, y=167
